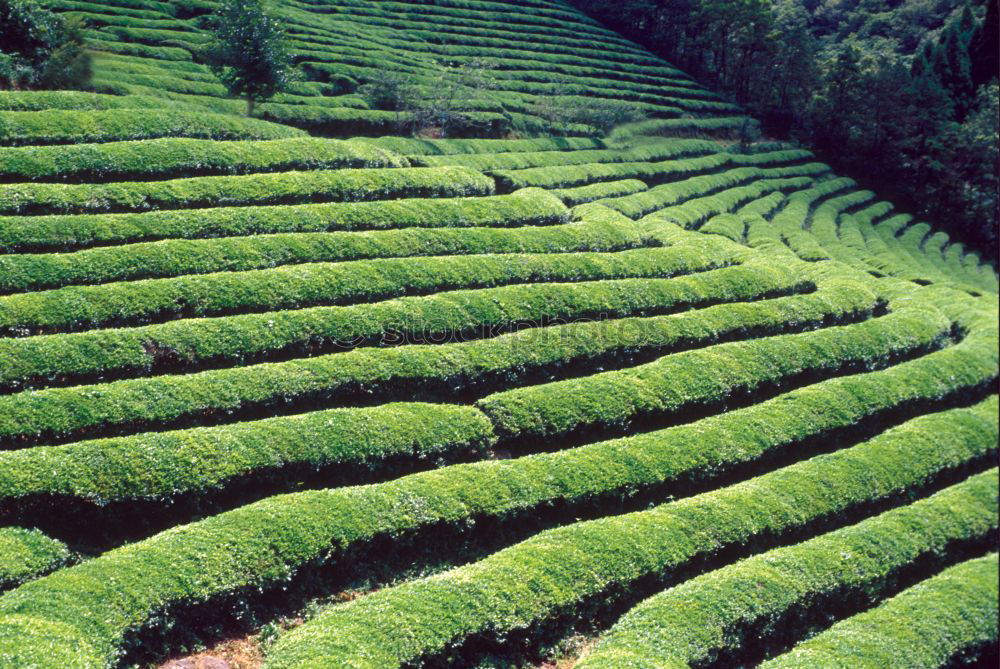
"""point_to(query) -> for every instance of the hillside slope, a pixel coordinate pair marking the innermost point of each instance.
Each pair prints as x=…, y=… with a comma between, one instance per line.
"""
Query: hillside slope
x=486, y=393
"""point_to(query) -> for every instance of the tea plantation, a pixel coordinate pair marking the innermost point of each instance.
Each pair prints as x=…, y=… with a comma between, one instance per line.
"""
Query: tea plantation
x=406, y=402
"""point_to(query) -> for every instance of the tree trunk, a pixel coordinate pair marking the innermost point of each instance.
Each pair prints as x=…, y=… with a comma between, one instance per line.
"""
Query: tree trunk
x=250, y=105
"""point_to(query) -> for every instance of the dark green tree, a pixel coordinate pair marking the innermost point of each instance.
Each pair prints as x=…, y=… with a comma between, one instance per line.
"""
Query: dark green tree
x=984, y=49
x=40, y=49
x=249, y=55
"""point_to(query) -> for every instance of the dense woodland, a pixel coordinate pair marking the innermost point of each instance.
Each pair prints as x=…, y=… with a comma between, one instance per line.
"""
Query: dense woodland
x=900, y=94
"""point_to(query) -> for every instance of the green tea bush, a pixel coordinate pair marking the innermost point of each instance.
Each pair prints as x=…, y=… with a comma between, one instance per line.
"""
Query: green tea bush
x=27, y=554
x=178, y=257
x=51, y=126
x=927, y=625
x=159, y=158
x=556, y=571
x=246, y=189
x=719, y=612
x=62, y=233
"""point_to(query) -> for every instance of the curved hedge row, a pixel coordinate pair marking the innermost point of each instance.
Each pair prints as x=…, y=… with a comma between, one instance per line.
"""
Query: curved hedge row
x=674, y=127
x=928, y=625
x=454, y=315
x=27, y=554
x=162, y=158
x=410, y=146
x=104, y=469
x=177, y=257
x=717, y=613
x=247, y=189
x=75, y=615
x=696, y=211
x=310, y=284
x=51, y=126
x=559, y=570
x=671, y=194
x=568, y=176
x=75, y=101
x=530, y=206
x=137, y=403
x=766, y=206
x=615, y=398
x=731, y=226
x=161, y=465
x=599, y=191
x=653, y=151
x=795, y=217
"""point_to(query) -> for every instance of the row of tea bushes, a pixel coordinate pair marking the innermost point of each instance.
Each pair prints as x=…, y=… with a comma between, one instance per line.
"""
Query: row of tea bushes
x=751, y=602
x=559, y=571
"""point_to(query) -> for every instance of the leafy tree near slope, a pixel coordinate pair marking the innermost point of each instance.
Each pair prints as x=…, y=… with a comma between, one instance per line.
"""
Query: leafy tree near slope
x=249, y=54
x=40, y=49
x=881, y=88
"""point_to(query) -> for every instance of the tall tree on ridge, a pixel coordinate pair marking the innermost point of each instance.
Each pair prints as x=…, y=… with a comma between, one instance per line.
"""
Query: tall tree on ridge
x=249, y=54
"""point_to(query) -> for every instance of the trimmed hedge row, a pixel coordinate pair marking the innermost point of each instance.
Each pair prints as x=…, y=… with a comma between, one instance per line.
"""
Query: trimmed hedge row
x=889, y=231
x=712, y=374
x=599, y=191
x=530, y=206
x=860, y=237
x=671, y=194
x=451, y=315
x=161, y=158
x=105, y=469
x=409, y=146
x=310, y=284
x=731, y=226
x=826, y=224
x=693, y=623
x=74, y=100
x=103, y=42
x=202, y=256
x=245, y=189
x=928, y=625
x=696, y=211
x=674, y=127
x=796, y=215
x=161, y=465
x=139, y=403
x=518, y=161
x=114, y=125
x=559, y=570
x=80, y=617
x=766, y=206
x=568, y=176
x=27, y=554
x=348, y=122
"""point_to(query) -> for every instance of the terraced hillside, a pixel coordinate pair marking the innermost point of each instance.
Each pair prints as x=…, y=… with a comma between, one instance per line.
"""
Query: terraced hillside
x=455, y=402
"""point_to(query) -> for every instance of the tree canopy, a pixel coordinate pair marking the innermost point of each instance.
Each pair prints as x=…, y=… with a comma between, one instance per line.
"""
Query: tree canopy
x=40, y=49
x=249, y=54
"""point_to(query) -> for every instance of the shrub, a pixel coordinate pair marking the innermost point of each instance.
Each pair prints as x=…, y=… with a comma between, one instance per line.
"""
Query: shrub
x=167, y=399
x=454, y=315
x=613, y=399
